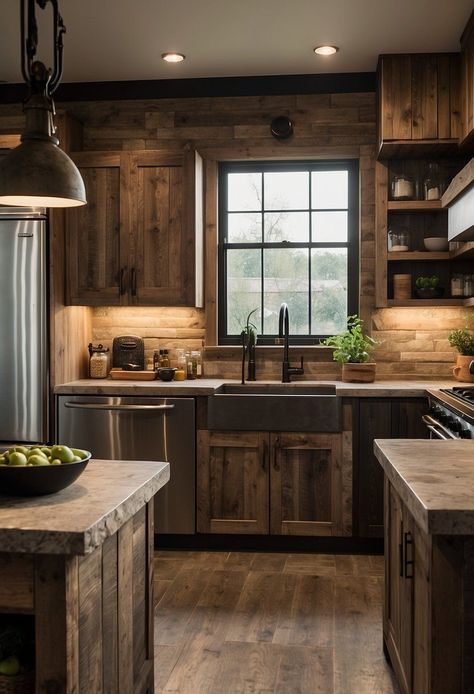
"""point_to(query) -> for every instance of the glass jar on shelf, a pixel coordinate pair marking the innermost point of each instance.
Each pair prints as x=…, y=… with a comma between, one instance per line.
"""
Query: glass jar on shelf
x=99, y=361
x=468, y=285
x=432, y=184
x=402, y=187
x=398, y=240
x=457, y=285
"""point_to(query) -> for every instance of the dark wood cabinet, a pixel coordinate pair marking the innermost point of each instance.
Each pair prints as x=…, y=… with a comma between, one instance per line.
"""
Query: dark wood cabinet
x=418, y=104
x=381, y=418
x=306, y=484
x=137, y=241
x=467, y=84
x=280, y=483
x=233, y=482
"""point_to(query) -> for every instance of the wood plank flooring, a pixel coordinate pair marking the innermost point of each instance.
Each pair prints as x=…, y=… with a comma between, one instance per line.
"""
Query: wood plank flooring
x=248, y=623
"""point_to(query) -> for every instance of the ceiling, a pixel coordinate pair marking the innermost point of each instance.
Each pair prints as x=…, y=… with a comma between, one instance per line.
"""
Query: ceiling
x=124, y=39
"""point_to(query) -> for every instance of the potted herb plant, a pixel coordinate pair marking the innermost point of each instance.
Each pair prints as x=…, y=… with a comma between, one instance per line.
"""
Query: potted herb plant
x=463, y=341
x=427, y=288
x=352, y=349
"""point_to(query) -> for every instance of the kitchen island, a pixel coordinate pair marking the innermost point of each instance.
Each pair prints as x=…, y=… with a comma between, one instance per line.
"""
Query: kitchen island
x=428, y=620
x=81, y=562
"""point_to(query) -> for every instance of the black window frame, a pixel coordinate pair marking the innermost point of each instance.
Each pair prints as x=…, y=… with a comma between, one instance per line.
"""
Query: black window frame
x=352, y=244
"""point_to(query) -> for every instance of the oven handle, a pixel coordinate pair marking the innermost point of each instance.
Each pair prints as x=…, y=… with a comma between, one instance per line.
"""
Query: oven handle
x=438, y=429
x=122, y=408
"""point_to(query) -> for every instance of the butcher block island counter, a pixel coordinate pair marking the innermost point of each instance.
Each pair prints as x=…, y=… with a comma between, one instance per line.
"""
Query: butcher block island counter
x=428, y=620
x=81, y=562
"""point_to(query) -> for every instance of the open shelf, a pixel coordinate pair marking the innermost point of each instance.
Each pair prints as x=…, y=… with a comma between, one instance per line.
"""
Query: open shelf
x=468, y=302
x=415, y=206
x=418, y=255
x=428, y=302
x=466, y=251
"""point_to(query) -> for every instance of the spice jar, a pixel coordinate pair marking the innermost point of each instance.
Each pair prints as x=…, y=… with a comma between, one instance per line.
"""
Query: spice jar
x=98, y=361
x=196, y=359
x=403, y=187
x=189, y=367
x=457, y=285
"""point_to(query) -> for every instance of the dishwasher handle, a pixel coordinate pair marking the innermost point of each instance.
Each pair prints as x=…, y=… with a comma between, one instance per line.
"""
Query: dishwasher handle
x=121, y=408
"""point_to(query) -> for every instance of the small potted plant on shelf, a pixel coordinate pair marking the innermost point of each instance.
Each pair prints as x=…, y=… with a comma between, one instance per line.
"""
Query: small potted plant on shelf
x=463, y=341
x=352, y=349
x=427, y=288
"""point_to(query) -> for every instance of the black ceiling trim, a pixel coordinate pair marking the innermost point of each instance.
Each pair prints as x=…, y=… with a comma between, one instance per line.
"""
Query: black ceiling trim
x=270, y=85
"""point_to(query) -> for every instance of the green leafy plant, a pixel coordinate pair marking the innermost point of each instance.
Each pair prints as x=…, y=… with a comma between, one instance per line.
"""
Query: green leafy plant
x=249, y=333
x=427, y=282
x=351, y=346
x=463, y=341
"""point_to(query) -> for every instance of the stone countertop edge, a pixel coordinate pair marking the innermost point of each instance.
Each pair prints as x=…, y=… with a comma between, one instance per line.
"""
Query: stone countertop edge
x=447, y=516
x=83, y=542
x=205, y=387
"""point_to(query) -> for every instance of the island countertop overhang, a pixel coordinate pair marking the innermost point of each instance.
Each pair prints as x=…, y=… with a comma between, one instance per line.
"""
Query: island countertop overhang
x=435, y=480
x=81, y=517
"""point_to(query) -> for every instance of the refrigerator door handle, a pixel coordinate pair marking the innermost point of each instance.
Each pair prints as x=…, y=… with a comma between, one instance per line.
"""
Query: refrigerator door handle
x=124, y=408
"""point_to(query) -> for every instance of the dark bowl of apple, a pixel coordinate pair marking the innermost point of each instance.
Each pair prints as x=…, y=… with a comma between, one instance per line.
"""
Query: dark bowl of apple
x=38, y=470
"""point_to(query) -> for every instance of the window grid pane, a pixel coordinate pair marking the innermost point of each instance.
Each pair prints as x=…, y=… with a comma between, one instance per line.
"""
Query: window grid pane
x=307, y=265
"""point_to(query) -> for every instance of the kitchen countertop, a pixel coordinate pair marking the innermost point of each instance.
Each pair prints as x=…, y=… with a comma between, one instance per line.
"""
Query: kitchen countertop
x=78, y=519
x=208, y=386
x=435, y=480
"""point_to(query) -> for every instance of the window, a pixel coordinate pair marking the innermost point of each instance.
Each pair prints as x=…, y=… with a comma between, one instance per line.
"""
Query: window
x=288, y=232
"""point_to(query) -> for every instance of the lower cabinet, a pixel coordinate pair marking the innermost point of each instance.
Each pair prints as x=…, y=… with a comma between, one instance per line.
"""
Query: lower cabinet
x=428, y=616
x=284, y=483
x=381, y=418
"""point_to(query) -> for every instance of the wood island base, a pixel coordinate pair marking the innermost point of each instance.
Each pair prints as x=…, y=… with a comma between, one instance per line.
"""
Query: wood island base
x=93, y=613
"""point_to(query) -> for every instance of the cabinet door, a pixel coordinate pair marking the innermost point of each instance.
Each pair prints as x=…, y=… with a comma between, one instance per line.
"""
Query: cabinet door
x=407, y=420
x=419, y=98
x=162, y=237
x=306, y=481
x=375, y=422
x=96, y=250
x=398, y=601
x=467, y=80
x=232, y=482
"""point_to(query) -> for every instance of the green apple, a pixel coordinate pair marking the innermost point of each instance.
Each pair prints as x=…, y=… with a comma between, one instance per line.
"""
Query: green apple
x=80, y=453
x=64, y=454
x=55, y=461
x=46, y=450
x=38, y=460
x=10, y=666
x=17, y=458
x=18, y=449
x=36, y=451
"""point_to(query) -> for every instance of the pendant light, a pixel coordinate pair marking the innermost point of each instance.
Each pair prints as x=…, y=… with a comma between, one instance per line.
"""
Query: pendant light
x=37, y=173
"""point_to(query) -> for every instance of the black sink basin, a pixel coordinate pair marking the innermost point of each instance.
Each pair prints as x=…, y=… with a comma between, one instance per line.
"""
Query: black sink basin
x=275, y=407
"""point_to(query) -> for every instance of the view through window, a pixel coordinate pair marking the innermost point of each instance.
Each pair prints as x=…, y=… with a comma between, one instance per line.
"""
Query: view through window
x=288, y=232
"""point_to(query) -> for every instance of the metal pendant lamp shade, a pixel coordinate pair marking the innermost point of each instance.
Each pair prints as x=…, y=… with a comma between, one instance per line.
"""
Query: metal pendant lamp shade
x=37, y=173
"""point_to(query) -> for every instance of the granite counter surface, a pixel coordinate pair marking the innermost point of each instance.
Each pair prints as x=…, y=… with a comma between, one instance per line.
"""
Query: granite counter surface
x=208, y=386
x=78, y=519
x=435, y=480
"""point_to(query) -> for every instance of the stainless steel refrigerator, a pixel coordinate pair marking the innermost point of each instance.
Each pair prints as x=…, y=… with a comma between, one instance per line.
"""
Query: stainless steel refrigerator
x=23, y=326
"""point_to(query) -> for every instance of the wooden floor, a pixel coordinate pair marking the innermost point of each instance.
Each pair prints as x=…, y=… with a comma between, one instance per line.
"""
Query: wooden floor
x=242, y=623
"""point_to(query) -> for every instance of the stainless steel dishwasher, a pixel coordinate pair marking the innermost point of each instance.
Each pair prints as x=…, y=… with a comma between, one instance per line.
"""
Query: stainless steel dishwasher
x=145, y=428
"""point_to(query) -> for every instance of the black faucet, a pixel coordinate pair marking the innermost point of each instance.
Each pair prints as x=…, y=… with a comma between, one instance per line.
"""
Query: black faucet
x=284, y=331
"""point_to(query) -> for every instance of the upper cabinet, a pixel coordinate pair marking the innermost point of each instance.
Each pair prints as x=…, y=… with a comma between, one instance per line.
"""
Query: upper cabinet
x=467, y=83
x=418, y=104
x=138, y=241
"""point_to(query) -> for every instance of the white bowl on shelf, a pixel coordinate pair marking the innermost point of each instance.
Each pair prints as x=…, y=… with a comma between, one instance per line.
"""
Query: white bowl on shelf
x=436, y=243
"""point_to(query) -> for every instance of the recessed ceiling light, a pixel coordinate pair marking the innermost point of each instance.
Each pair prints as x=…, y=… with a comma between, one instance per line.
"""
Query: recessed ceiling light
x=173, y=57
x=326, y=50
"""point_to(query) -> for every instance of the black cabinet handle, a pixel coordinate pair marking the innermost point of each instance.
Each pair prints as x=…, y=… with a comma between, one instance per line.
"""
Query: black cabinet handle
x=408, y=563
x=122, y=281
x=134, y=281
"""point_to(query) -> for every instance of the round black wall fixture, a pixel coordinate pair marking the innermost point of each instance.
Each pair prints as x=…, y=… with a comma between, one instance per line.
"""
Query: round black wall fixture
x=281, y=127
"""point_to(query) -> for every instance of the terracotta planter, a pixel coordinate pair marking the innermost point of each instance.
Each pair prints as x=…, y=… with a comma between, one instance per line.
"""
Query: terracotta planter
x=358, y=373
x=461, y=370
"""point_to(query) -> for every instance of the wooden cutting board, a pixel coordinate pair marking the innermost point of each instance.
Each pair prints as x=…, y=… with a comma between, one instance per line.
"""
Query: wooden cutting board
x=121, y=375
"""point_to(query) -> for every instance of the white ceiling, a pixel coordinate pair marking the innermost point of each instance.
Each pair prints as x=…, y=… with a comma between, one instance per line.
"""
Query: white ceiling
x=124, y=39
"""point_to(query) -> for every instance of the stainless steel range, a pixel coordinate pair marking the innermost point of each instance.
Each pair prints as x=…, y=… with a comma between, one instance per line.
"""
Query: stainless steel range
x=451, y=413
